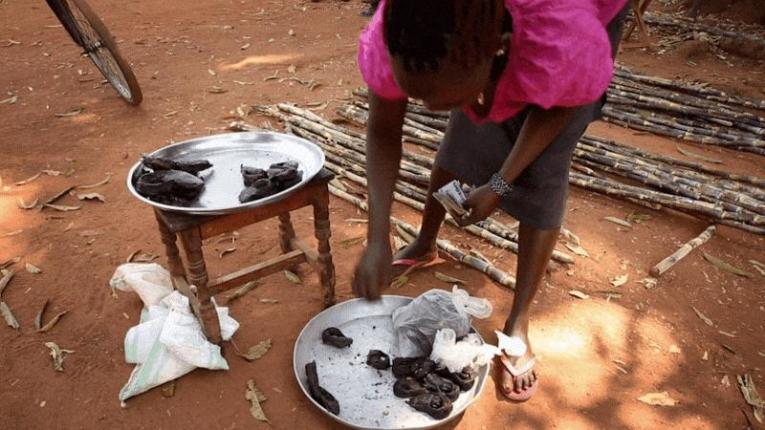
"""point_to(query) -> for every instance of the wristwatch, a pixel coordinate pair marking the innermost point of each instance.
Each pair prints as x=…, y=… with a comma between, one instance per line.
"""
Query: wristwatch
x=499, y=185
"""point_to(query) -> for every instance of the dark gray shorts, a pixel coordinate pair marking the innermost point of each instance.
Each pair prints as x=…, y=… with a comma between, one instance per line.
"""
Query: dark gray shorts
x=473, y=152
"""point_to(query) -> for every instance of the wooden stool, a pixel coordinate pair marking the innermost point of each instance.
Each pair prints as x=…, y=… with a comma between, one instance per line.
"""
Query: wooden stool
x=193, y=229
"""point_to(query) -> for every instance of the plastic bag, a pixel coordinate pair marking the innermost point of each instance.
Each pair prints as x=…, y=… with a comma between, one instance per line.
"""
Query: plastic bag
x=415, y=325
x=468, y=352
x=150, y=281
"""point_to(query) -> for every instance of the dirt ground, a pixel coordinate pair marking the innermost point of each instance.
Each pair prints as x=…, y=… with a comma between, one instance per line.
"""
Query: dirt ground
x=597, y=356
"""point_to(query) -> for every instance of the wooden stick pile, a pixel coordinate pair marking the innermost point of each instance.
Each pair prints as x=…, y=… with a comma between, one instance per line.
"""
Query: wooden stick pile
x=723, y=197
x=683, y=111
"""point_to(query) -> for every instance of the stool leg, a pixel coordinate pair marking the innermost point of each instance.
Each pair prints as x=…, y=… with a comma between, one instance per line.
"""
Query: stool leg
x=191, y=240
x=323, y=232
x=171, y=249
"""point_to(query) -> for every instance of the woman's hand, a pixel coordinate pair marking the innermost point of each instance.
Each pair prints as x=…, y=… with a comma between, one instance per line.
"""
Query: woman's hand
x=481, y=202
x=374, y=271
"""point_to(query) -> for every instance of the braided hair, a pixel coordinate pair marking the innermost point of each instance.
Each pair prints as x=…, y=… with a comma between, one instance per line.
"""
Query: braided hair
x=425, y=33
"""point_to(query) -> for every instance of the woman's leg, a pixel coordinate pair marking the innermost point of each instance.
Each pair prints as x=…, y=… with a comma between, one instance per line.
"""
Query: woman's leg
x=535, y=246
x=432, y=217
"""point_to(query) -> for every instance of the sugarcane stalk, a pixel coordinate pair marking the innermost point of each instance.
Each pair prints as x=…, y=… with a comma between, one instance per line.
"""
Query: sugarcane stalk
x=684, y=250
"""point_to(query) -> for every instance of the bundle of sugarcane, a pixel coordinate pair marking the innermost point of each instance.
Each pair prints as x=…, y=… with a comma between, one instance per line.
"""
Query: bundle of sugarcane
x=738, y=32
x=727, y=198
x=346, y=156
x=687, y=112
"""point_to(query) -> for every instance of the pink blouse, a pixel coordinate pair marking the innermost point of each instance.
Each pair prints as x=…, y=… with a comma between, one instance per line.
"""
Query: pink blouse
x=560, y=55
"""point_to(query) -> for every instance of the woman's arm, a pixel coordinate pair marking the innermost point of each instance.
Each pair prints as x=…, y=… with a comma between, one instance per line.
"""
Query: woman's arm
x=539, y=130
x=386, y=118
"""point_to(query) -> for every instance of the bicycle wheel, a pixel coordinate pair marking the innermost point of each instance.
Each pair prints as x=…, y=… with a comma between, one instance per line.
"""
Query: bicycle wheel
x=88, y=31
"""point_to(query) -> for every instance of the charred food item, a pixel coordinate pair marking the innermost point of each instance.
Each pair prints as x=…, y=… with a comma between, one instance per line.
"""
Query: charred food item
x=464, y=379
x=437, y=384
x=188, y=166
x=251, y=175
x=407, y=387
x=378, y=359
x=434, y=404
x=333, y=336
x=261, y=183
x=417, y=367
x=322, y=396
x=170, y=186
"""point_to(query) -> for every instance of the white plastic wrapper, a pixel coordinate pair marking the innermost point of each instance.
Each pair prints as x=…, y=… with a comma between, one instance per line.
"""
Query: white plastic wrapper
x=469, y=352
x=415, y=325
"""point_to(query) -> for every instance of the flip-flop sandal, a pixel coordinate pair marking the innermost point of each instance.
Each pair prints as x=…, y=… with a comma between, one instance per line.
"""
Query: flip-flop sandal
x=513, y=347
x=412, y=264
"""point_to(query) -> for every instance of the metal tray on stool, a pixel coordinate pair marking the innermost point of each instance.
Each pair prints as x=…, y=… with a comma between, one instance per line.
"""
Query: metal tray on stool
x=227, y=152
x=365, y=394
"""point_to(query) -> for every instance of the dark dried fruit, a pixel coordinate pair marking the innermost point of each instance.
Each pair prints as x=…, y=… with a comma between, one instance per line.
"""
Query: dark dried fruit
x=408, y=387
x=422, y=368
x=170, y=186
x=318, y=393
x=378, y=359
x=188, y=166
x=464, y=379
x=438, y=384
x=402, y=366
x=261, y=188
x=434, y=404
x=251, y=174
x=333, y=336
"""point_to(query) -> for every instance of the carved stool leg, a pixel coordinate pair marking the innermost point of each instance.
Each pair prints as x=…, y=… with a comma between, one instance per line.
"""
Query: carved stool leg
x=323, y=233
x=191, y=240
x=286, y=234
x=171, y=249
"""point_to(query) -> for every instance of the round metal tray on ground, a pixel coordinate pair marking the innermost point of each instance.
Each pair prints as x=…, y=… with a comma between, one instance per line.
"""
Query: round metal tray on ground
x=227, y=152
x=364, y=393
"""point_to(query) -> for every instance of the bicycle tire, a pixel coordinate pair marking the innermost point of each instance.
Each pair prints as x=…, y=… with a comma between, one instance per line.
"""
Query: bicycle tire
x=89, y=32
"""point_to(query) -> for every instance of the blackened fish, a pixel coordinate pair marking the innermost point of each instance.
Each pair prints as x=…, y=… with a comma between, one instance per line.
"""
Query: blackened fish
x=318, y=393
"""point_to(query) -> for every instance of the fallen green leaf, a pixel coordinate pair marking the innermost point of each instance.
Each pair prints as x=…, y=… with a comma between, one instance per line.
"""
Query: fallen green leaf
x=399, y=281
x=722, y=265
x=448, y=279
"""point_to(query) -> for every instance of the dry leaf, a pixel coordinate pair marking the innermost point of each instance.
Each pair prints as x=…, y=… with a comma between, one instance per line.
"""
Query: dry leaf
x=658, y=399
x=58, y=355
x=292, y=277
x=168, y=390
x=39, y=317
x=62, y=208
x=725, y=381
x=241, y=291
x=53, y=321
x=674, y=349
x=703, y=317
x=398, y=243
x=399, y=281
x=618, y=281
x=227, y=251
x=760, y=267
x=8, y=316
x=638, y=217
x=58, y=195
x=725, y=333
x=269, y=301
x=24, y=205
x=31, y=268
x=50, y=172
x=347, y=243
x=722, y=265
x=211, y=72
x=648, y=283
x=73, y=112
x=9, y=262
x=216, y=90
x=91, y=196
x=448, y=279
x=577, y=249
x=698, y=156
x=97, y=184
x=578, y=294
x=7, y=275
x=291, y=69
x=11, y=233
x=618, y=221
x=705, y=357
x=752, y=397
x=245, y=46
x=10, y=100
x=29, y=179
x=255, y=396
x=477, y=254
x=570, y=236
x=257, y=351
